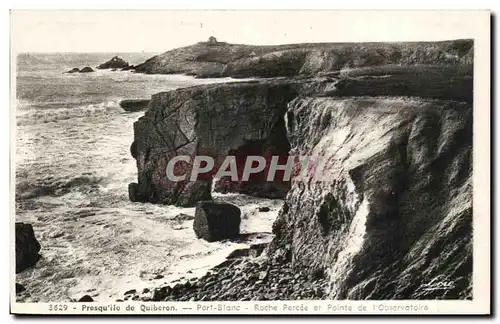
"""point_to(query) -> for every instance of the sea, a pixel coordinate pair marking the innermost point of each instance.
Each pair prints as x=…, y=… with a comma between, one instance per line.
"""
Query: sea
x=72, y=167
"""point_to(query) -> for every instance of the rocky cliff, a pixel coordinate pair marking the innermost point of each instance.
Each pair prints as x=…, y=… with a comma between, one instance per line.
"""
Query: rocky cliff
x=393, y=219
x=205, y=59
x=238, y=119
x=396, y=214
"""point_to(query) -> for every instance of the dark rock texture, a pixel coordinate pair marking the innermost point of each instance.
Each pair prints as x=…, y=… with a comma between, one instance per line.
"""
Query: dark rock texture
x=214, y=221
x=86, y=299
x=206, y=59
x=19, y=288
x=114, y=63
x=86, y=69
x=182, y=122
x=27, y=247
x=74, y=70
x=133, y=105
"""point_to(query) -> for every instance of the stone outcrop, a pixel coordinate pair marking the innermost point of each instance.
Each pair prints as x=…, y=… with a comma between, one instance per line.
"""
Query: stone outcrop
x=183, y=122
x=86, y=299
x=215, y=221
x=27, y=247
x=19, y=288
x=279, y=63
x=133, y=105
x=86, y=69
x=114, y=63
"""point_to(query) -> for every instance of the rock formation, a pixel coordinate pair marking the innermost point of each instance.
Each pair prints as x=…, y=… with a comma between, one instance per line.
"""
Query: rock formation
x=216, y=59
x=216, y=221
x=397, y=212
x=86, y=69
x=27, y=247
x=133, y=105
x=86, y=299
x=181, y=122
x=394, y=215
x=114, y=63
x=19, y=288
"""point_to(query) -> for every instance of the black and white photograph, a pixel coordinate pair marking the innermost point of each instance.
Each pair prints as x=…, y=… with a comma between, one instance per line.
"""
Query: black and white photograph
x=169, y=159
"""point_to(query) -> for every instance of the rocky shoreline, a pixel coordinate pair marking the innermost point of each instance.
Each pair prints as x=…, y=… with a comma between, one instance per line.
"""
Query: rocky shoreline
x=241, y=279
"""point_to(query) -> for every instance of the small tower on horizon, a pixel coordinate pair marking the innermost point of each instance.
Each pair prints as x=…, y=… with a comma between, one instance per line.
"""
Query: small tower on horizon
x=212, y=40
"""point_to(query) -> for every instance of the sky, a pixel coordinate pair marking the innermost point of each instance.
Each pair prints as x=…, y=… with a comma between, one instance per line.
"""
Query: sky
x=158, y=31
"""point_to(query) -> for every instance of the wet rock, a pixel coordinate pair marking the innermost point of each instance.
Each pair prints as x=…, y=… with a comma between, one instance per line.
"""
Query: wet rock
x=27, y=247
x=86, y=69
x=216, y=221
x=238, y=253
x=73, y=70
x=145, y=290
x=257, y=249
x=158, y=276
x=133, y=105
x=130, y=292
x=161, y=293
x=114, y=63
x=86, y=299
x=19, y=288
x=133, y=152
x=182, y=218
x=133, y=192
x=264, y=209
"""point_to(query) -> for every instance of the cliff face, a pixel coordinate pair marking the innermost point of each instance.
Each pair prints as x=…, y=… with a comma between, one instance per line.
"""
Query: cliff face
x=396, y=212
x=240, y=61
x=235, y=119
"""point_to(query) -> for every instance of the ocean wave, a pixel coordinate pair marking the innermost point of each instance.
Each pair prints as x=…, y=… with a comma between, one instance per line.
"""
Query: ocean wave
x=56, y=187
x=49, y=115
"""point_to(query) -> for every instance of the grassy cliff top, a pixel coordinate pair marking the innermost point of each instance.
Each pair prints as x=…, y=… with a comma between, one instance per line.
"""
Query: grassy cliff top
x=216, y=59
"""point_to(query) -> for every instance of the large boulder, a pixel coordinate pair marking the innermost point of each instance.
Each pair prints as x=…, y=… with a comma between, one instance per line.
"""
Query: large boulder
x=216, y=221
x=27, y=247
x=133, y=105
x=115, y=63
x=86, y=69
x=73, y=70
